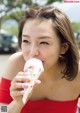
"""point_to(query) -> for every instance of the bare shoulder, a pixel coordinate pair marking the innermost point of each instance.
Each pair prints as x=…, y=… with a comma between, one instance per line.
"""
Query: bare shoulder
x=78, y=75
x=78, y=79
x=14, y=65
x=79, y=71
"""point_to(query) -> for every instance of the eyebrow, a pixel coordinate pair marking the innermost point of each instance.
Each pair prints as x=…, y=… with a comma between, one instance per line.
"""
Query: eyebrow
x=42, y=37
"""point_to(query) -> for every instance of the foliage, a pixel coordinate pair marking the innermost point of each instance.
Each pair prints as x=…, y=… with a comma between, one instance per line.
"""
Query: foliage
x=51, y=1
x=12, y=30
x=78, y=41
x=10, y=26
x=76, y=27
x=14, y=8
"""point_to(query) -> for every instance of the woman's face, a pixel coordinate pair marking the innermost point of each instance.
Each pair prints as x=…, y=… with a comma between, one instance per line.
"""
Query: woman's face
x=39, y=40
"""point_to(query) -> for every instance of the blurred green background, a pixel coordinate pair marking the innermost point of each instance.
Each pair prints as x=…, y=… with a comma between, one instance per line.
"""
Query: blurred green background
x=11, y=12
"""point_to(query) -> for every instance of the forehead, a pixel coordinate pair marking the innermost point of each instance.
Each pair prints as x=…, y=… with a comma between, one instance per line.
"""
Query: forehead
x=38, y=27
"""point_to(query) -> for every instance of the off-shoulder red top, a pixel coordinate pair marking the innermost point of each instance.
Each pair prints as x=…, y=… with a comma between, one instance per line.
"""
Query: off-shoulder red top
x=38, y=106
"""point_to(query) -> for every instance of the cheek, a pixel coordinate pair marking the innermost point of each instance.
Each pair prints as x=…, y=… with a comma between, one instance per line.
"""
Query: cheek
x=53, y=51
x=25, y=52
x=24, y=48
x=51, y=56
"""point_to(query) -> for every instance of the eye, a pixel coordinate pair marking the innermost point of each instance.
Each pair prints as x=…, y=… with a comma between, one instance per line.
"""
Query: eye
x=46, y=43
x=26, y=41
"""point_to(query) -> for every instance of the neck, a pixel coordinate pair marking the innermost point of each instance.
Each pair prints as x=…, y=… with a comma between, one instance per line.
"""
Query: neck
x=54, y=72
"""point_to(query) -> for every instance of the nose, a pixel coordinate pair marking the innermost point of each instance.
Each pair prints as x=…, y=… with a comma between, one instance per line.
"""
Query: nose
x=34, y=51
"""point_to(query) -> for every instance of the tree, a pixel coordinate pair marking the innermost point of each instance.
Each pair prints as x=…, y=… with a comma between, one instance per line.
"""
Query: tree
x=51, y=1
x=14, y=8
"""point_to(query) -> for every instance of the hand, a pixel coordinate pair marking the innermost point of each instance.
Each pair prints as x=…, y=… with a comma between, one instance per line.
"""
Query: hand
x=18, y=84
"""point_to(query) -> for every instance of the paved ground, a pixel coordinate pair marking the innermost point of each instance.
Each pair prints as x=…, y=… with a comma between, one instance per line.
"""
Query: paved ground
x=3, y=59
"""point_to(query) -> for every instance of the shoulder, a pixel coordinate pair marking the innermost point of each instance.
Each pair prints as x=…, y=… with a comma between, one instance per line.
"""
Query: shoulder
x=77, y=79
x=76, y=82
x=79, y=71
x=14, y=64
x=16, y=57
x=78, y=75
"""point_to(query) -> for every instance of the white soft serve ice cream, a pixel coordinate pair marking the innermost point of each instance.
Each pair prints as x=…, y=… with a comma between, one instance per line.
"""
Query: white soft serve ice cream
x=34, y=68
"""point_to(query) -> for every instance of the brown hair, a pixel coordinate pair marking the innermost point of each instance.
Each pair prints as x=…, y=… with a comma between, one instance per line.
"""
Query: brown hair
x=64, y=31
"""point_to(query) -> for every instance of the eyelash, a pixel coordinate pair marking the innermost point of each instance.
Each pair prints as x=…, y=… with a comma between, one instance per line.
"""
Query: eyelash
x=45, y=43
x=25, y=41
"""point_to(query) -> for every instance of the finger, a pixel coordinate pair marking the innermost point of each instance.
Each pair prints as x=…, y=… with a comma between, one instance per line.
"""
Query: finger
x=14, y=79
x=16, y=93
x=37, y=83
x=19, y=86
x=22, y=79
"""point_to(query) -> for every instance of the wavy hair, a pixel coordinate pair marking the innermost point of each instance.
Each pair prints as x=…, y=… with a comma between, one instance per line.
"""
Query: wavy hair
x=63, y=28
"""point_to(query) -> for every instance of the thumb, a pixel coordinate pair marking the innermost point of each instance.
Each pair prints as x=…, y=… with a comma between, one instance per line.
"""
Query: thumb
x=37, y=83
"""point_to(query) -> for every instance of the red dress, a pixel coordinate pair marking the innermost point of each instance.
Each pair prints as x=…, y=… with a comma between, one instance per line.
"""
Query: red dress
x=38, y=106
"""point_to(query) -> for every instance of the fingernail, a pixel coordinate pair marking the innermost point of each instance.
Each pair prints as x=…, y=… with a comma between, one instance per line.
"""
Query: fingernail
x=22, y=92
x=38, y=81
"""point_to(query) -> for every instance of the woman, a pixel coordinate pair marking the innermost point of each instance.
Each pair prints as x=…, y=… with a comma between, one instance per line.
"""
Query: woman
x=45, y=33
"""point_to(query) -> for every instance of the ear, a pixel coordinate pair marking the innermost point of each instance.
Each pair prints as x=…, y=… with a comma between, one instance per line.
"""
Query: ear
x=64, y=48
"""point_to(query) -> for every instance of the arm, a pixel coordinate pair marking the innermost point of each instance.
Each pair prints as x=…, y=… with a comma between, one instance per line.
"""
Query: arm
x=13, y=66
x=9, y=108
x=14, y=105
x=14, y=72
